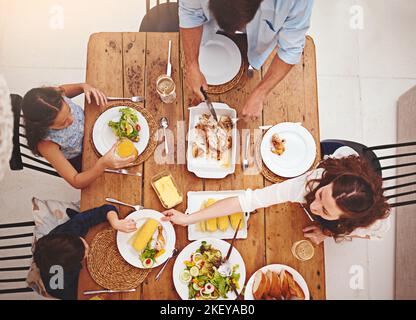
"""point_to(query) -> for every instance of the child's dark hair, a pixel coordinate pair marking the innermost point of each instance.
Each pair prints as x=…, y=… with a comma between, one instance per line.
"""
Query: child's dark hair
x=40, y=107
x=63, y=250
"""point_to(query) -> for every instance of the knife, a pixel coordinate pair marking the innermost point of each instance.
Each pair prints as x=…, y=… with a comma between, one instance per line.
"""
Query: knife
x=307, y=213
x=169, y=70
x=107, y=291
x=209, y=104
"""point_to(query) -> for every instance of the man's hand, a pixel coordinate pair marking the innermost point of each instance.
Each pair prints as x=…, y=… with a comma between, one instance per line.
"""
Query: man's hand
x=253, y=107
x=195, y=80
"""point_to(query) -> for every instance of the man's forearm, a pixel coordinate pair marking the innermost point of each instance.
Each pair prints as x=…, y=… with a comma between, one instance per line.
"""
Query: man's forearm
x=191, y=40
x=276, y=73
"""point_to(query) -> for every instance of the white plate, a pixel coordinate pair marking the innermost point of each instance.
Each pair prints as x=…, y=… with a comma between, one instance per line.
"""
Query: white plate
x=130, y=254
x=195, y=201
x=248, y=294
x=300, y=151
x=210, y=168
x=219, y=60
x=104, y=138
x=223, y=246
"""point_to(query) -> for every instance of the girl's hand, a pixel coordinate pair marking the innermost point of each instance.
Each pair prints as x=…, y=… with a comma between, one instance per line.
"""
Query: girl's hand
x=99, y=96
x=315, y=234
x=176, y=217
x=126, y=225
x=112, y=161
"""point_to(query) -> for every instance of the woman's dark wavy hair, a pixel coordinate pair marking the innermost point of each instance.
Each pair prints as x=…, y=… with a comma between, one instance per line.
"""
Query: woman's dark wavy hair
x=357, y=190
x=40, y=107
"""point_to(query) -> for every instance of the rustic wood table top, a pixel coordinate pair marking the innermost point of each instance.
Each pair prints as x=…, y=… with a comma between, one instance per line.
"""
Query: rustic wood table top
x=128, y=64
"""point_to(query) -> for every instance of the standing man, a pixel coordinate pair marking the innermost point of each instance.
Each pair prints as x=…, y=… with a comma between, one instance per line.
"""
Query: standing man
x=267, y=23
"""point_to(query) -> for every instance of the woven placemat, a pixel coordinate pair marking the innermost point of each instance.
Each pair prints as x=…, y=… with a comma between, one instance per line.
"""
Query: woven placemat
x=108, y=268
x=150, y=149
x=266, y=172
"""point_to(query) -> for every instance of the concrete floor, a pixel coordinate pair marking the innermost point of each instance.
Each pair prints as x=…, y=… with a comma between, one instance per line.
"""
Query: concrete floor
x=364, y=65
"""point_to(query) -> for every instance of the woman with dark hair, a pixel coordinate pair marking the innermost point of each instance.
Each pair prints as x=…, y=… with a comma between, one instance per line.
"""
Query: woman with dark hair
x=343, y=195
x=54, y=127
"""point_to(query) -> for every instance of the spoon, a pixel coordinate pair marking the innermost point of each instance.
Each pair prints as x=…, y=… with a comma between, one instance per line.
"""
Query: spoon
x=174, y=254
x=164, y=123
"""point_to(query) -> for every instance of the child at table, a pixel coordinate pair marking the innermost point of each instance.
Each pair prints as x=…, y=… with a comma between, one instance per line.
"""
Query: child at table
x=343, y=195
x=54, y=127
x=65, y=247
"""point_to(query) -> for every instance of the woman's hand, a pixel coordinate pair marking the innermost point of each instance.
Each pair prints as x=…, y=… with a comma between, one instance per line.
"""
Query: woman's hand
x=99, y=97
x=126, y=225
x=111, y=161
x=176, y=217
x=315, y=234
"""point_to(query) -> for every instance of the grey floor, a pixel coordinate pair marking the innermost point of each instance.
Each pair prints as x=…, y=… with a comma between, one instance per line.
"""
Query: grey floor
x=366, y=60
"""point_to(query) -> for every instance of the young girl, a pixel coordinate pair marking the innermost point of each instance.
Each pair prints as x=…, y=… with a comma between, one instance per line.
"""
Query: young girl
x=344, y=196
x=55, y=130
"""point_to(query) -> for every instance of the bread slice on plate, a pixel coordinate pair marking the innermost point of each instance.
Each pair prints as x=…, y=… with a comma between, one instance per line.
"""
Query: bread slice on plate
x=275, y=288
x=294, y=287
x=260, y=286
x=284, y=285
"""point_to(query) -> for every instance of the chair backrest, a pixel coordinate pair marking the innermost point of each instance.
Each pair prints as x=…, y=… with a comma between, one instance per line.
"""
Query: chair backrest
x=22, y=156
x=149, y=3
x=163, y=17
x=15, y=255
x=404, y=155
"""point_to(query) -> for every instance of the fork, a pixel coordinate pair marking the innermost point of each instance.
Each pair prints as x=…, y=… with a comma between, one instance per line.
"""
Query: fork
x=123, y=171
x=136, y=207
x=246, y=163
x=250, y=71
x=132, y=99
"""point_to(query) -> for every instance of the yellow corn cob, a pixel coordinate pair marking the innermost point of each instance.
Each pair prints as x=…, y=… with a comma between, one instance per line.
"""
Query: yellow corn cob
x=201, y=226
x=145, y=234
x=223, y=223
x=235, y=219
x=211, y=224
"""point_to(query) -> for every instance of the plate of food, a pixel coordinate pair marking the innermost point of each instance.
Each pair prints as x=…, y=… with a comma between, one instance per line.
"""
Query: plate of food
x=219, y=228
x=288, y=149
x=151, y=244
x=198, y=274
x=276, y=282
x=212, y=146
x=120, y=123
x=220, y=59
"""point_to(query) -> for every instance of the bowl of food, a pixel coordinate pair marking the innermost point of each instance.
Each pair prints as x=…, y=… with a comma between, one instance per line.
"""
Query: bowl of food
x=200, y=274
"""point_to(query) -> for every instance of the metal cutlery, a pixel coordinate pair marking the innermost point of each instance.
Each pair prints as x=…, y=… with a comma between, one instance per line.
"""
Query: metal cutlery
x=123, y=171
x=164, y=124
x=169, y=70
x=136, y=207
x=107, y=291
x=175, y=252
x=271, y=126
x=307, y=213
x=250, y=71
x=246, y=163
x=209, y=104
x=132, y=99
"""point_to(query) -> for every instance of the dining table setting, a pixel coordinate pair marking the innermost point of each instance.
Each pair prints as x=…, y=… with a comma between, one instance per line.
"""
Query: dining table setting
x=190, y=154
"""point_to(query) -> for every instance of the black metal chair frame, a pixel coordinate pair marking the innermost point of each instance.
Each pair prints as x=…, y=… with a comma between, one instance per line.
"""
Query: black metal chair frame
x=17, y=161
x=15, y=257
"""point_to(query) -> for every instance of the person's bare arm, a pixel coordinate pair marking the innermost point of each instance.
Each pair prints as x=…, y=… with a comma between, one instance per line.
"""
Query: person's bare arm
x=75, y=89
x=191, y=40
x=276, y=73
x=221, y=208
x=52, y=153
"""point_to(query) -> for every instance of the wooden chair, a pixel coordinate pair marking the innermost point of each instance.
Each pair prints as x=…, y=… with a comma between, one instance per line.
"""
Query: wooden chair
x=15, y=258
x=21, y=156
x=161, y=18
x=405, y=160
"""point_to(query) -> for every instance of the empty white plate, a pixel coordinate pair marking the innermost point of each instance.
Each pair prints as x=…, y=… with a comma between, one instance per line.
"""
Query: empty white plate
x=300, y=151
x=104, y=138
x=219, y=60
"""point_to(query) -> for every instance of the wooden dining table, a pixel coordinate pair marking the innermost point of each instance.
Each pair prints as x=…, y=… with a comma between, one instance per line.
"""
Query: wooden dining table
x=128, y=64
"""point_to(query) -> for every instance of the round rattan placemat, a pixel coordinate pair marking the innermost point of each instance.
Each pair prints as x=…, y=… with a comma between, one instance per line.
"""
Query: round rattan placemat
x=108, y=268
x=152, y=130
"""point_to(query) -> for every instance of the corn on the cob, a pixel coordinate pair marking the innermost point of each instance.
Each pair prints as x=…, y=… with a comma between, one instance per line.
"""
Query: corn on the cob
x=235, y=219
x=223, y=223
x=145, y=234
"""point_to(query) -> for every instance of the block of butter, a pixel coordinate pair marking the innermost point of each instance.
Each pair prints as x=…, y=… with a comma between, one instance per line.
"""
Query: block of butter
x=167, y=191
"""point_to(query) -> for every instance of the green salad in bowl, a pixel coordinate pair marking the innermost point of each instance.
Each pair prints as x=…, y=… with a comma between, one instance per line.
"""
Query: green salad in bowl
x=204, y=279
